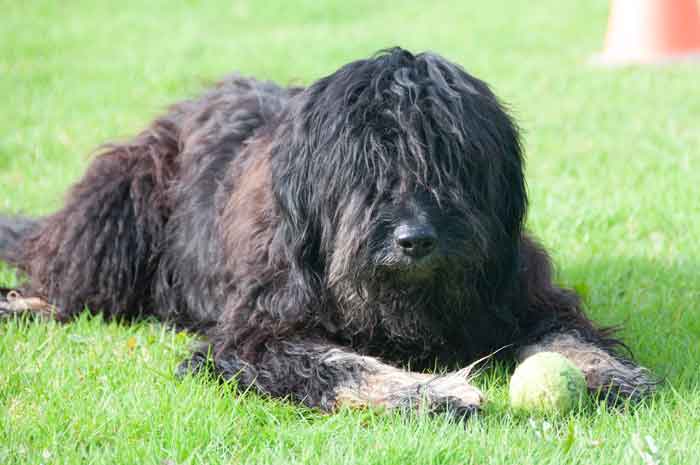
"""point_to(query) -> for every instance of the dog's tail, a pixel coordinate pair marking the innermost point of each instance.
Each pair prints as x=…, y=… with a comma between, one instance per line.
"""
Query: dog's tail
x=12, y=230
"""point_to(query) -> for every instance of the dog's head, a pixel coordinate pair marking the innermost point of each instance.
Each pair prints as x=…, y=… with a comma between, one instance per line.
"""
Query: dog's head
x=401, y=172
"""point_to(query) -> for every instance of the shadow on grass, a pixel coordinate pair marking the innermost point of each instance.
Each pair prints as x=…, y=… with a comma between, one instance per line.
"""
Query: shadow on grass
x=657, y=303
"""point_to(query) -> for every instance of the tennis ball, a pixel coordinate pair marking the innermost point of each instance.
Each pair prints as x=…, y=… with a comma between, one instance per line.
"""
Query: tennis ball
x=547, y=383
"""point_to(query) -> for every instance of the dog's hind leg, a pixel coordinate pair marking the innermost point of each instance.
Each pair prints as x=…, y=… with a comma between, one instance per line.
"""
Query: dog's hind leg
x=12, y=304
x=101, y=249
x=13, y=229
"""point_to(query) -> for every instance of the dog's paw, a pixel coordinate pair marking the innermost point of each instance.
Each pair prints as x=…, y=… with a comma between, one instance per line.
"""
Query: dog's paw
x=196, y=363
x=12, y=303
x=449, y=394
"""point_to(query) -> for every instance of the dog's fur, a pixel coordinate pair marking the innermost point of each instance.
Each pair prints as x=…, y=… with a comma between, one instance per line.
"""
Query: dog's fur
x=264, y=218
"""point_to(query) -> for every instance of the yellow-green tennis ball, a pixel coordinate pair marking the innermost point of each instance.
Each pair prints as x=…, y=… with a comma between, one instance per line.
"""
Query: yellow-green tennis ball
x=547, y=383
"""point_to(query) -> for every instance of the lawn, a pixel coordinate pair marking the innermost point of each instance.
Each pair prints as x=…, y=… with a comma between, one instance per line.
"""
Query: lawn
x=614, y=181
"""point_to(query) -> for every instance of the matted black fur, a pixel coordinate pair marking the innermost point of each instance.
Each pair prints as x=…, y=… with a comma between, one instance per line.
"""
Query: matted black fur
x=377, y=212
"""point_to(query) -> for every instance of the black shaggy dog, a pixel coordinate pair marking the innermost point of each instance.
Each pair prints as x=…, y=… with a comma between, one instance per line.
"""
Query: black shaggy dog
x=322, y=239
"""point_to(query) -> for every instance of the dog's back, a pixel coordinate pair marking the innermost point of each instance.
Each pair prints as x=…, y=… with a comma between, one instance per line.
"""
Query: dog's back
x=136, y=235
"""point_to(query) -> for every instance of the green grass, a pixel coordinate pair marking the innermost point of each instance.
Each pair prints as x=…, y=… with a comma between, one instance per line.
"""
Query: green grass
x=614, y=181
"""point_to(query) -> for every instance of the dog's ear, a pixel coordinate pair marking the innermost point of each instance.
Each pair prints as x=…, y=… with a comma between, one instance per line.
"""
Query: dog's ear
x=488, y=136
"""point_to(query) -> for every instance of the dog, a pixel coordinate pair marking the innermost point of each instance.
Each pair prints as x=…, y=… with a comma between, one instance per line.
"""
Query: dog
x=321, y=240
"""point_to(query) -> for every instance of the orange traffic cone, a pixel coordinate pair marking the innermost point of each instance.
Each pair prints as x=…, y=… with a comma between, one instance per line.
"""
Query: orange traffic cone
x=652, y=31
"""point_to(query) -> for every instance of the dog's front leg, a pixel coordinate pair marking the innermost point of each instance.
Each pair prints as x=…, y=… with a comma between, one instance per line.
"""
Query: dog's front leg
x=379, y=384
x=330, y=377
x=607, y=373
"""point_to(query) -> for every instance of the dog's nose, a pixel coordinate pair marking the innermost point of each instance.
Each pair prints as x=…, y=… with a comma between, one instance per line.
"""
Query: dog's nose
x=416, y=241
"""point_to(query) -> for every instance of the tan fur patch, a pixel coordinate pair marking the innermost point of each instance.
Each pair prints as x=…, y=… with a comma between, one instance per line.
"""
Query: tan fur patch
x=15, y=303
x=385, y=386
x=601, y=368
